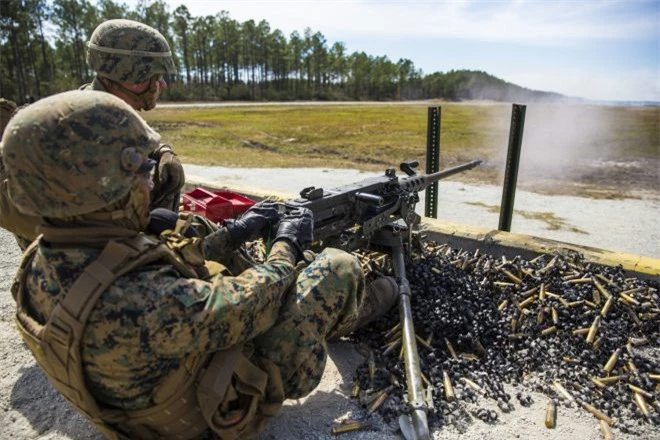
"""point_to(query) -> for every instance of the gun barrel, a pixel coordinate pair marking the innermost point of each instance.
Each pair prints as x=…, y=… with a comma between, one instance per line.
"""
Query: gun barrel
x=455, y=170
x=421, y=181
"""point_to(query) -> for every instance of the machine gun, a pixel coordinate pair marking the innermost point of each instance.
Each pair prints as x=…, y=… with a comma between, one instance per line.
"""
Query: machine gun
x=377, y=212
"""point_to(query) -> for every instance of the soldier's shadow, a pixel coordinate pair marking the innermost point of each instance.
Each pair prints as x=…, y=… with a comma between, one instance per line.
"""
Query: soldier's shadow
x=315, y=415
x=45, y=409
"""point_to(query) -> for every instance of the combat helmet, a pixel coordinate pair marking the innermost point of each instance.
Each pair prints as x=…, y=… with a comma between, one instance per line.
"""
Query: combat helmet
x=127, y=51
x=74, y=153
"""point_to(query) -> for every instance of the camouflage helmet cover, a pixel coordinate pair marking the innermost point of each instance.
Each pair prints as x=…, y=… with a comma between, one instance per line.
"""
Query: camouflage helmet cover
x=74, y=153
x=127, y=51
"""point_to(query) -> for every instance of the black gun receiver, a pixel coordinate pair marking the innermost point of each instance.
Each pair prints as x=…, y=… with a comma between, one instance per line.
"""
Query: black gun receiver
x=349, y=215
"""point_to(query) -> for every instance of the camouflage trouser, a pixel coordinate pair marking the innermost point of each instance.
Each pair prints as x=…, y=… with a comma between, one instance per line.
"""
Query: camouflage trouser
x=324, y=300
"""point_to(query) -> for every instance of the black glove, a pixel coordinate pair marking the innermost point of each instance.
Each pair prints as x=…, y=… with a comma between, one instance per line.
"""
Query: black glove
x=297, y=227
x=254, y=222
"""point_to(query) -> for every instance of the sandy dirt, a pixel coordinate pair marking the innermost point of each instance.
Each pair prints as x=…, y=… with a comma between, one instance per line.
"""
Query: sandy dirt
x=32, y=409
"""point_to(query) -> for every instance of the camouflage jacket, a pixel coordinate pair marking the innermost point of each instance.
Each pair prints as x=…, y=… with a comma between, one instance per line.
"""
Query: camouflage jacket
x=152, y=320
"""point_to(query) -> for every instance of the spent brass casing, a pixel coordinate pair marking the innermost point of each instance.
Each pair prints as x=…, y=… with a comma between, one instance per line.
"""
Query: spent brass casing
x=472, y=385
x=469, y=357
x=451, y=350
x=590, y=304
x=502, y=305
x=605, y=280
x=597, y=382
x=641, y=403
x=423, y=342
x=632, y=368
x=377, y=403
x=597, y=413
x=392, y=331
x=606, y=430
x=371, y=365
x=611, y=362
x=595, y=294
x=542, y=292
x=610, y=379
x=449, y=388
x=638, y=390
x=552, y=295
x=580, y=331
x=529, y=292
x=521, y=305
x=549, y=331
x=355, y=390
x=425, y=379
x=631, y=292
x=654, y=376
x=540, y=317
x=601, y=289
x=593, y=330
x=563, y=391
x=597, y=343
x=629, y=299
x=512, y=277
x=555, y=316
x=550, y=415
x=392, y=346
x=579, y=281
x=346, y=427
x=606, y=307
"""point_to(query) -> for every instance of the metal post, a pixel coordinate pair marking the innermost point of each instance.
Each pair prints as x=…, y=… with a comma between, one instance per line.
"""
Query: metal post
x=432, y=159
x=512, y=163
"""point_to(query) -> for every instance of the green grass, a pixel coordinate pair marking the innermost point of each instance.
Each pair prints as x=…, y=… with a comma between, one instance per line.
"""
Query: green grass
x=375, y=137
x=363, y=137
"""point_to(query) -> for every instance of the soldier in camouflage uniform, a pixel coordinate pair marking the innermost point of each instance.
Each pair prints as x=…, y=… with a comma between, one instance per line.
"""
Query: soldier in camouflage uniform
x=141, y=334
x=130, y=60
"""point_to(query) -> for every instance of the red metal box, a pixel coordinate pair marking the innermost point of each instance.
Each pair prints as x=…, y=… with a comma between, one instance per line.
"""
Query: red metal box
x=216, y=206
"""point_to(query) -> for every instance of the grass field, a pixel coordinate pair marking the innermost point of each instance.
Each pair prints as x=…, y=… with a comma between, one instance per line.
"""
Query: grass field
x=584, y=146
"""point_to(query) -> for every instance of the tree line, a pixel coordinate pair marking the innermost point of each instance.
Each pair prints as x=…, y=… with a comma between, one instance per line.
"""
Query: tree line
x=43, y=48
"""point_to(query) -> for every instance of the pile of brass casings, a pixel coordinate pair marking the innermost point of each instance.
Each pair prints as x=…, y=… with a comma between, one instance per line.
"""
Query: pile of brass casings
x=586, y=336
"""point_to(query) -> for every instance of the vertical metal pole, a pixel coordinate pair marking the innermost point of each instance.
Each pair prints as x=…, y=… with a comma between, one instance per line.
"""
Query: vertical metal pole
x=432, y=159
x=512, y=163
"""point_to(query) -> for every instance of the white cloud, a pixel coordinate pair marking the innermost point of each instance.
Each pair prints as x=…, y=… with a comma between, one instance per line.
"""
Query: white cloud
x=521, y=21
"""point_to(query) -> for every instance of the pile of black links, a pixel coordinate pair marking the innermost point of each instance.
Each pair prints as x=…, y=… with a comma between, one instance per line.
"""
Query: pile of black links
x=586, y=336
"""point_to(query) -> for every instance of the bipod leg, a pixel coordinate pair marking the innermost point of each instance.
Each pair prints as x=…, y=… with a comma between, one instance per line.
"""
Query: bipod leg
x=414, y=425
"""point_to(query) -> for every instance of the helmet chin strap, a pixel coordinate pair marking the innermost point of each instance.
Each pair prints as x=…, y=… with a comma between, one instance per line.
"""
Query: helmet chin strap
x=139, y=101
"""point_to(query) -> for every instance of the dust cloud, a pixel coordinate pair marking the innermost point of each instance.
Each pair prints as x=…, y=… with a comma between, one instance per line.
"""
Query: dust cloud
x=563, y=142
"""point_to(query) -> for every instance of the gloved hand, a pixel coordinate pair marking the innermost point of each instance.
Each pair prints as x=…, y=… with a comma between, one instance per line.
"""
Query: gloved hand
x=254, y=222
x=168, y=179
x=297, y=227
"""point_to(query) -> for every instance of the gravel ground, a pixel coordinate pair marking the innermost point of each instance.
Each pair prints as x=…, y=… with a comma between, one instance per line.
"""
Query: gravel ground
x=31, y=409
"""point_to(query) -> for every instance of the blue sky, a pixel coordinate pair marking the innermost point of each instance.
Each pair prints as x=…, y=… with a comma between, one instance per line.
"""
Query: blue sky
x=605, y=50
